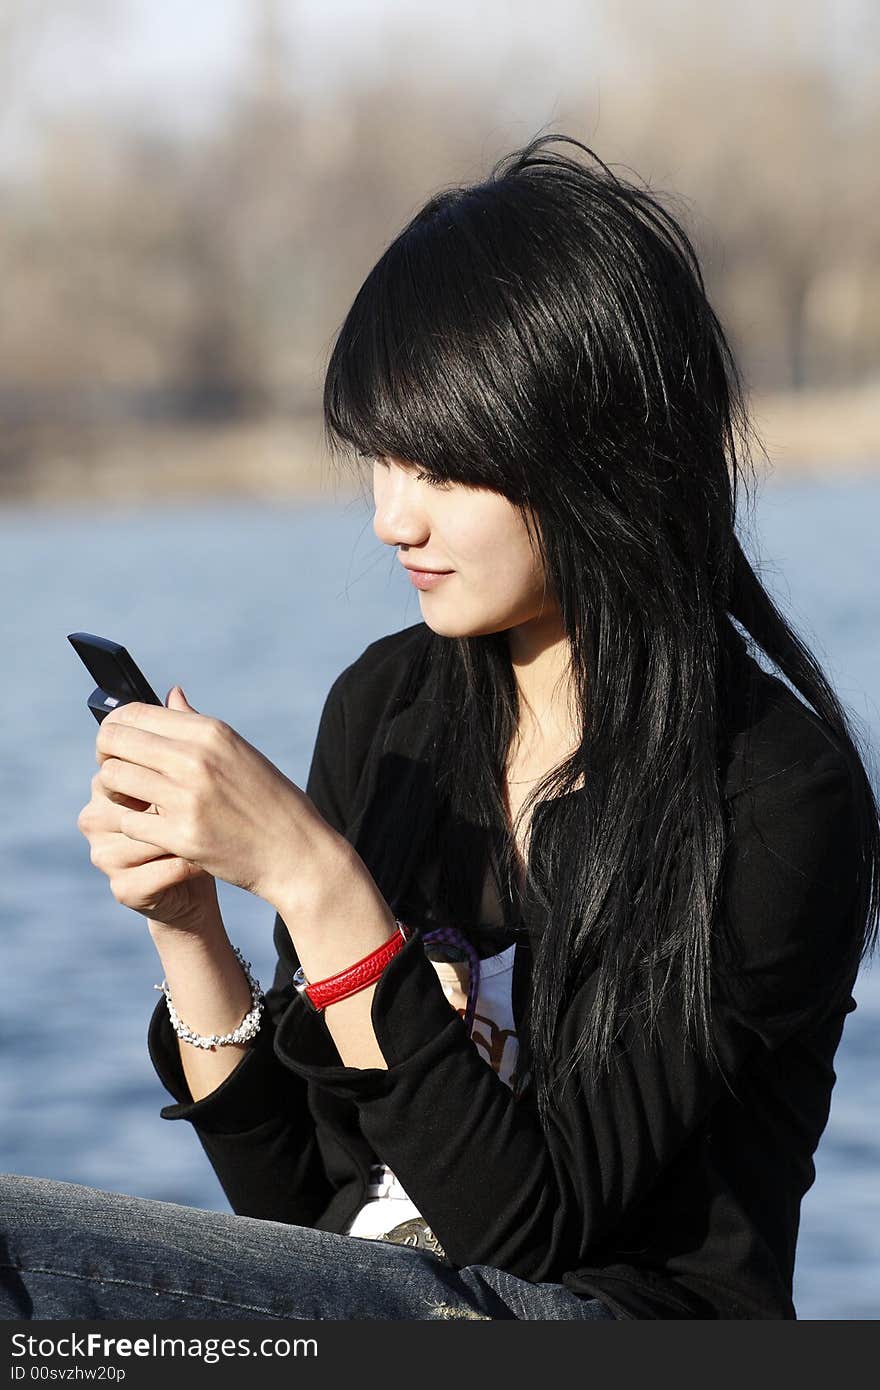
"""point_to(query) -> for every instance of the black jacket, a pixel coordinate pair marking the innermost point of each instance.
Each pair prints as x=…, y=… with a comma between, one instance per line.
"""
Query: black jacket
x=668, y=1189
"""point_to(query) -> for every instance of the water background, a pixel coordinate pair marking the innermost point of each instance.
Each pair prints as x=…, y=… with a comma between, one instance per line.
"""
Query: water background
x=255, y=608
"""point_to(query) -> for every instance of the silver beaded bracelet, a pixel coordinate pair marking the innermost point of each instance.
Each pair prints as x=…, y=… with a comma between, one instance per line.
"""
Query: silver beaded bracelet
x=248, y=1028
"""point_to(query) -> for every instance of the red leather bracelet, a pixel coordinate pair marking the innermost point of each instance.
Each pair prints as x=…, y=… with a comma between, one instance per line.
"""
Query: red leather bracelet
x=364, y=972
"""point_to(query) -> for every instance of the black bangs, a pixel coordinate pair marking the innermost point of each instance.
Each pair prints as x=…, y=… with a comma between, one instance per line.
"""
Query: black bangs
x=550, y=312
x=427, y=366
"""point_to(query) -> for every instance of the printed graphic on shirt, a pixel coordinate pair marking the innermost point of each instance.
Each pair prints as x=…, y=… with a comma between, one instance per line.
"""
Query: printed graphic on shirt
x=499, y=1046
x=493, y=1032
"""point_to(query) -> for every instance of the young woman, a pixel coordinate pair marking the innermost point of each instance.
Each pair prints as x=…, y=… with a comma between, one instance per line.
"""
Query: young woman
x=605, y=880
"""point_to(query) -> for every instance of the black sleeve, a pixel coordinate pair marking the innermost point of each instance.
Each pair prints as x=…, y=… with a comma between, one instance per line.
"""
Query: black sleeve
x=256, y=1127
x=495, y=1187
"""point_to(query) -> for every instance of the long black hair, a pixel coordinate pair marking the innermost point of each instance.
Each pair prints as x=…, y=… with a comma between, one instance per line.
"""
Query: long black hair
x=546, y=333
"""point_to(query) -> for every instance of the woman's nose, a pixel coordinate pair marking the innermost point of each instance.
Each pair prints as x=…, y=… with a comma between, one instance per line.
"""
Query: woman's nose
x=400, y=517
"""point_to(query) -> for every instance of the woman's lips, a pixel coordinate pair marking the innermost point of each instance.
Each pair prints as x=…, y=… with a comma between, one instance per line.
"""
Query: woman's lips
x=423, y=579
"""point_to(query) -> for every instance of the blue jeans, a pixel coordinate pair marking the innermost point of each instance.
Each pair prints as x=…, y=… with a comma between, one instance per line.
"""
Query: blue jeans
x=68, y=1251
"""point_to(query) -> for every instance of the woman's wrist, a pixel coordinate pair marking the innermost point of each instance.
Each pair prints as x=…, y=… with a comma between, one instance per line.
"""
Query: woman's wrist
x=247, y=1027
x=300, y=889
x=208, y=985
x=352, y=978
x=338, y=918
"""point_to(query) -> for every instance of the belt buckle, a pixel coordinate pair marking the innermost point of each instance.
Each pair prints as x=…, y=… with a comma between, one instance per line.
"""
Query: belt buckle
x=418, y=1236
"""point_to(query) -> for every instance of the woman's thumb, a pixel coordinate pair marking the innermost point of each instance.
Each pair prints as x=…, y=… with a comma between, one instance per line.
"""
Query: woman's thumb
x=176, y=699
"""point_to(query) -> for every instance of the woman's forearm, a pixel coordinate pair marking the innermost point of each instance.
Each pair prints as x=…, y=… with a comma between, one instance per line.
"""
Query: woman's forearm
x=210, y=994
x=339, y=920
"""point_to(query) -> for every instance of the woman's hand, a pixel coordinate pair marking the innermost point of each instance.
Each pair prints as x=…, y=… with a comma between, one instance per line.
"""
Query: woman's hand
x=163, y=887
x=220, y=805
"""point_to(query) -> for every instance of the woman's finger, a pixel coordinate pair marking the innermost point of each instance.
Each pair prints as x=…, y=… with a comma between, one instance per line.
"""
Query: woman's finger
x=101, y=797
x=139, y=783
x=148, y=829
x=133, y=744
x=156, y=719
x=100, y=816
x=111, y=853
x=141, y=886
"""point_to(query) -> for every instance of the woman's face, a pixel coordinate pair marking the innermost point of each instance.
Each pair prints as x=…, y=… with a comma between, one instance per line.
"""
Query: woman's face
x=496, y=581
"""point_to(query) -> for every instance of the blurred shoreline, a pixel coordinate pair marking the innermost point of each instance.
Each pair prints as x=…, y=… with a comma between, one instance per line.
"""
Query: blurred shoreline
x=815, y=433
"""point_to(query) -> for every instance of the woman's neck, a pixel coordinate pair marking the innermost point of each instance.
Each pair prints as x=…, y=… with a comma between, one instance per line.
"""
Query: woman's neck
x=540, y=658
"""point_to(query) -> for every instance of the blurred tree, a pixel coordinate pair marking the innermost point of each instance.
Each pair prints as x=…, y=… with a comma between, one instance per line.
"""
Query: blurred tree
x=752, y=125
x=154, y=274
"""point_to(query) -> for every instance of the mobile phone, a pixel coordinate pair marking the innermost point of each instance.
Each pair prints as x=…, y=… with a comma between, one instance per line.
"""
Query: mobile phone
x=120, y=681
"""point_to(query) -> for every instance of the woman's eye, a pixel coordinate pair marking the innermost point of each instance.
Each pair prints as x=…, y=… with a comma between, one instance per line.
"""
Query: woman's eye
x=423, y=477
